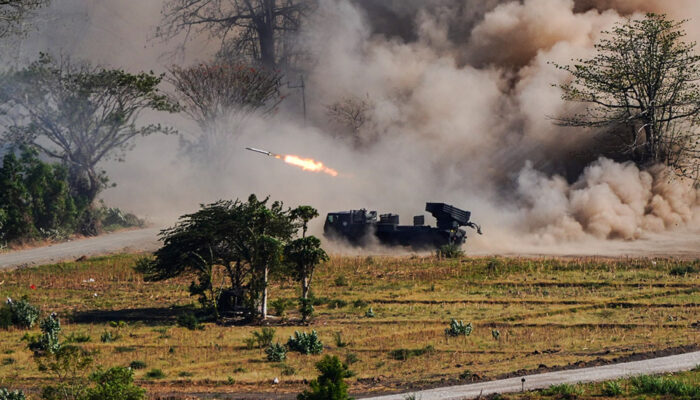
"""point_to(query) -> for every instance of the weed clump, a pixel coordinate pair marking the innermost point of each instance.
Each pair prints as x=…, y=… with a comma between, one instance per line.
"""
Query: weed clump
x=457, y=328
x=612, y=389
x=13, y=395
x=656, y=385
x=450, y=251
x=155, y=373
x=137, y=364
x=305, y=343
x=564, y=391
x=683, y=270
x=263, y=338
x=189, y=321
x=341, y=281
x=405, y=354
x=280, y=307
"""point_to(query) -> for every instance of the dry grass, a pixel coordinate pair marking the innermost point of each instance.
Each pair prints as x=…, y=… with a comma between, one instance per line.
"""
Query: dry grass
x=548, y=311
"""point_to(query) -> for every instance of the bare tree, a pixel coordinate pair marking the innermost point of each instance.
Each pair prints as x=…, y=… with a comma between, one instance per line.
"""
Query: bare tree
x=215, y=96
x=353, y=114
x=642, y=88
x=14, y=12
x=253, y=28
x=79, y=114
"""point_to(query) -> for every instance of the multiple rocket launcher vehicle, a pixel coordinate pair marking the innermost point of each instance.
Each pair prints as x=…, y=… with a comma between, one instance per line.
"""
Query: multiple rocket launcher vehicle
x=359, y=227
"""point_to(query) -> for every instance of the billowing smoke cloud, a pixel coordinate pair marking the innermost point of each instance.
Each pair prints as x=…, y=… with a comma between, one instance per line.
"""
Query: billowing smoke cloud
x=462, y=100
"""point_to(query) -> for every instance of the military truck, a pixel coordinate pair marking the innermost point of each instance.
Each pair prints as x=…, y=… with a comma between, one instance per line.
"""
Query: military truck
x=360, y=227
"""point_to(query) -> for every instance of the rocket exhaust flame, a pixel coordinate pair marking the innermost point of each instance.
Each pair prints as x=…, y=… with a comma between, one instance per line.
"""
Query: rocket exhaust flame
x=307, y=164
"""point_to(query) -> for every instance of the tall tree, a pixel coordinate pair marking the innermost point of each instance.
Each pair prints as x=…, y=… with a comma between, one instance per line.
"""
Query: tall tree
x=79, y=114
x=215, y=95
x=642, y=88
x=13, y=13
x=304, y=254
x=258, y=29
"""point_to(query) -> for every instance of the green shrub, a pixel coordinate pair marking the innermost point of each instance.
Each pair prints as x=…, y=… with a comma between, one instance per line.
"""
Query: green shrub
x=155, y=373
x=137, y=364
x=264, y=337
x=24, y=315
x=305, y=343
x=338, y=336
x=612, y=389
x=306, y=308
x=13, y=395
x=331, y=383
x=450, y=251
x=370, y=313
x=280, y=307
x=80, y=337
x=458, y=328
x=351, y=358
x=563, y=390
x=50, y=328
x=108, y=337
x=116, y=383
x=682, y=270
x=337, y=303
x=288, y=370
x=359, y=303
x=276, y=353
x=189, y=321
x=405, y=354
x=340, y=281
x=656, y=385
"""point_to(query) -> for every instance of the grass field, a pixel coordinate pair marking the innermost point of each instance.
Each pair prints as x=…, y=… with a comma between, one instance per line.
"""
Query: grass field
x=549, y=313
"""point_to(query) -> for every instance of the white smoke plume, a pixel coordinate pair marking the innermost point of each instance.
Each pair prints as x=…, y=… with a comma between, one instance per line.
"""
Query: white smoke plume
x=462, y=101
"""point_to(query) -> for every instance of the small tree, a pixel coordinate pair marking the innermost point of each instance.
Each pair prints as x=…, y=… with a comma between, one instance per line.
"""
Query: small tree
x=79, y=114
x=331, y=383
x=354, y=115
x=642, y=88
x=116, y=383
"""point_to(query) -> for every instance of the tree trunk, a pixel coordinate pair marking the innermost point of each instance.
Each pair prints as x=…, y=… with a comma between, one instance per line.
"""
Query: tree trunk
x=305, y=288
x=263, y=306
x=267, y=45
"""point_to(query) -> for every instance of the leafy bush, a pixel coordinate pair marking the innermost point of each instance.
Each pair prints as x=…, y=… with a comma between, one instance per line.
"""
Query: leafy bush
x=24, y=315
x=563, y=390
x=137, y=364
x=351, y=358
x=114, y=218
x=331, y=383
x=305, y=343
x=458, y=328
x=450, y=251
x=155, y=373
x=405, y=354
x=13, y=395
x=359, y=303
x=682, y=270
x=50, y=328
x=612, y=389
x=306, y=308
x=280, y=307
x=276, y=353
x=189, y=321
x=656, y=385
x=264, y=337
x=340, y=281
x=116, y=383
x=288, y=370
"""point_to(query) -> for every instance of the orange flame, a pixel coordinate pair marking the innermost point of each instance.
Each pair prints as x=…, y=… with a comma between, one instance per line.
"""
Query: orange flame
x=308, y=164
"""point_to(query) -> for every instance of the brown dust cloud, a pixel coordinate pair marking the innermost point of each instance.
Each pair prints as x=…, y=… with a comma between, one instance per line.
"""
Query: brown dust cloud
x=460, y=98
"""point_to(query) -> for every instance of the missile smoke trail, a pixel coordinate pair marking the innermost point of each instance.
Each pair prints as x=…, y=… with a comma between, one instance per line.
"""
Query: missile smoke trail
x=307, y=164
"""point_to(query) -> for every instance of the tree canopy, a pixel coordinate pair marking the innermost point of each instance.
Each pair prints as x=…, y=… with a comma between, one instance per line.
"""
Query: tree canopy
x=242, y=243
x=79, y=114
x=258, y=30
x=13, y=13
x=642, y=88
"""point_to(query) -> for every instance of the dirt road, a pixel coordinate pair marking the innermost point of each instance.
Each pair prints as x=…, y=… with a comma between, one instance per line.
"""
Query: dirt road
x=681, y=362
x=134, y=240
